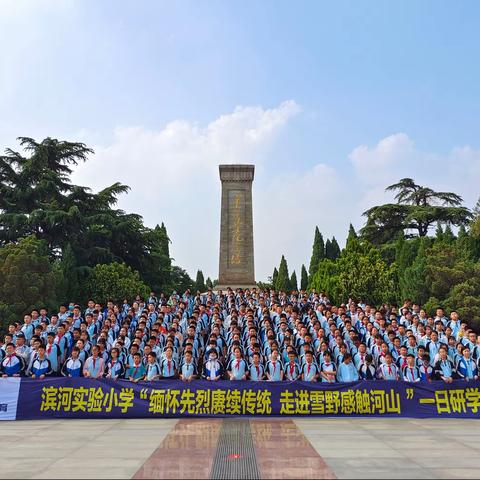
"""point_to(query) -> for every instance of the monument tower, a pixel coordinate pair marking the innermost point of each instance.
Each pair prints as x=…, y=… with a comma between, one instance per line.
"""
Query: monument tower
x=236, y=228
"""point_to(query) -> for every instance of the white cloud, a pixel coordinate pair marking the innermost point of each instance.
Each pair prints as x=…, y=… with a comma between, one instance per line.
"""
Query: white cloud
x=173, y=174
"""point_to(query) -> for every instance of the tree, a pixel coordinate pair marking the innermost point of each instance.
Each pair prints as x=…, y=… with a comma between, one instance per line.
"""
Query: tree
x=326, y=279
x=283, y=280
x=294, y=281
x=274, y=277
x=417, y=208
x=318, y=252
x=209, y=283
x=181, y=281
x=200, y=282
x=352, y=234
x=115, y=281
x=332, y=249
x=27, y=279
x=304, y=278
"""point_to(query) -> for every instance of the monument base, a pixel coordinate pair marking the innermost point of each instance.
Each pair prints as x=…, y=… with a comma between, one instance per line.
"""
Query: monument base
x=223, y=288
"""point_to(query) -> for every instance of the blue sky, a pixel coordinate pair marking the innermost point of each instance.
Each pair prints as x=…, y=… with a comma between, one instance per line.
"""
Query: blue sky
x=331, y=100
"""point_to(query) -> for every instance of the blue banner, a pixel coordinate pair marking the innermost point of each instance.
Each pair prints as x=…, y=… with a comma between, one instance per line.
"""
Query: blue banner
x=87, y=398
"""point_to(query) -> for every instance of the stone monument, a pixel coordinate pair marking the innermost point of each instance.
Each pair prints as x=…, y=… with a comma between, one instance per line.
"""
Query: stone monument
x=236, y=268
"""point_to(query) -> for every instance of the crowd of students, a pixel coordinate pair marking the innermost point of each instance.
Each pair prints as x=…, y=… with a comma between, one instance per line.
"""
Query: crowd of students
x=241, y=335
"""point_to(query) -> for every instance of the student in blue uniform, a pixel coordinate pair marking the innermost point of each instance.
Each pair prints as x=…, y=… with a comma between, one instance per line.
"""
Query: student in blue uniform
x=346, y=370
x=137, y=371
x=444, y=368
x=367, y=370
x=425, y=369
x=388, y=370
x=274, y=368
x=41, y=365
x=256, y=369
x=212, y=368
x=114, y=368
x=292, y=369
x=152, y=368
x=466, y=367
x=410, y=371
x=237, y=369
x=328, y=370
x=94, y=366
x=188, y=370
x=73, y=366
x=12, y=365
x=168, y=365
x=310, y=370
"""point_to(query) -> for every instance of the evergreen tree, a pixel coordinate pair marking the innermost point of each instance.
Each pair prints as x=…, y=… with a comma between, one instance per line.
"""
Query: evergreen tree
x=304, y=278
x=448, y=235
x=200, y=282
x=332, y=249
x=352, y=234
x=209, y=282
x=294, y=281
x=283, y=279
x=274, y=277
x=318, y=252
x=439, y=232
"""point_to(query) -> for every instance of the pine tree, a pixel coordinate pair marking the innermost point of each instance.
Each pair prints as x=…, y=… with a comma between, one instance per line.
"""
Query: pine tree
x=209, y=283
x=332, y=249
x=274, y=277
x=439, y=232
x=335, y=248
x=294, y=281
x=283, y=280
x=352, y=234
x=200, y=282
x=318, y=252
x=304, y=279
x=448, y=235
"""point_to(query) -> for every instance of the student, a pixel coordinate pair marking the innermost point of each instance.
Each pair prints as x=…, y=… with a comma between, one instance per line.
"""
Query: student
x=73, y=366
x=137, y=371
x=411, y=372
x=41, y=366
x=328, y=370
x=346, y=370
x=94, y=366
x=292, y=370
x=388, y=370
x=168, y=365
x=367, y=370
x=310, y=370
x=425, y=369
x=152, y=368
x=212, y=368
x=274, y=368
x=114, y=368
x=444, y=369
x=256, y=369
x=12, y=365
x=237, y=369
x=62, y=341
x=188, y=370
x=467, y=368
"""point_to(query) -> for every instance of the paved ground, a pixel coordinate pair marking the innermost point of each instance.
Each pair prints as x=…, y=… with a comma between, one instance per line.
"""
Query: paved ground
x=206, y=448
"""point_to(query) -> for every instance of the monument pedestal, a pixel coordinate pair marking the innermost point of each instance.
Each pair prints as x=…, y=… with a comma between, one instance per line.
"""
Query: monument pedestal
x=236, y=266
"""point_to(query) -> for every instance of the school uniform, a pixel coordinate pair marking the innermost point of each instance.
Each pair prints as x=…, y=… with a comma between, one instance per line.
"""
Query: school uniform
x=12, y=365
x=72, y=368
x=168, y=368
x=136, y=372
x=292, y=371
x=115, y=369
x=256, y=372
x=411, y=374
x=388, y=372
x=367, y=372
x=95, y=367
x=212, y=369
x=328, y=367
x=426, y=373
x=444, y=368
x=52, y=352
x=238, y=367
x=41, y=367
x=152, y=371
x=467, y=368
x=274, y=369
x=347, y=372
x=188, y=369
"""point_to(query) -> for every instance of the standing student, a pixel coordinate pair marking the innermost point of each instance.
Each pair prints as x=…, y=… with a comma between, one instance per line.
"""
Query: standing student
x=188, y=370
x=114, y=368
x=310, y=370
x=274, y=368
x=292, y=370
x=388, y=370
x=212, y=368
x=466, y=367
x=52, y=351
x=237, y=369
x=137, y=371
x=41, y=366
x=444, y=369
x=425, y=369
x=328, y=370
x=346, y=370
x=12, y=365
x=73, y=366
x=94, y=366
x=168, y=365
x=411, y=373
x=152, y=368
x=367, y=370
x=256, y=369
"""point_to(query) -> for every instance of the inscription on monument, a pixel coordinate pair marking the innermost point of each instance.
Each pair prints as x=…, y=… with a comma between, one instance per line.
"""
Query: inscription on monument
x=237, y=227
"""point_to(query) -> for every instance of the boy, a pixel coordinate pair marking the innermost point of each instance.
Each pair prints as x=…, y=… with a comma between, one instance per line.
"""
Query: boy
x=73, y=366
x=188, y=370
x=466, y=368
x=328, y=371
x=41, y=365
x=152, y=368
x=346, y=370
x=168, y=365
x=292, y=370
x=137, y=371
x=212, y=368
x=256, y=370
x=274, y=368
x=388, y=370
x=94, y=366
x=410, y=372
x=12, y=365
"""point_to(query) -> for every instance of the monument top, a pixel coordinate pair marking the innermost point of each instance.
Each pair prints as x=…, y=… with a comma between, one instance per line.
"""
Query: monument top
x=236, y=172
